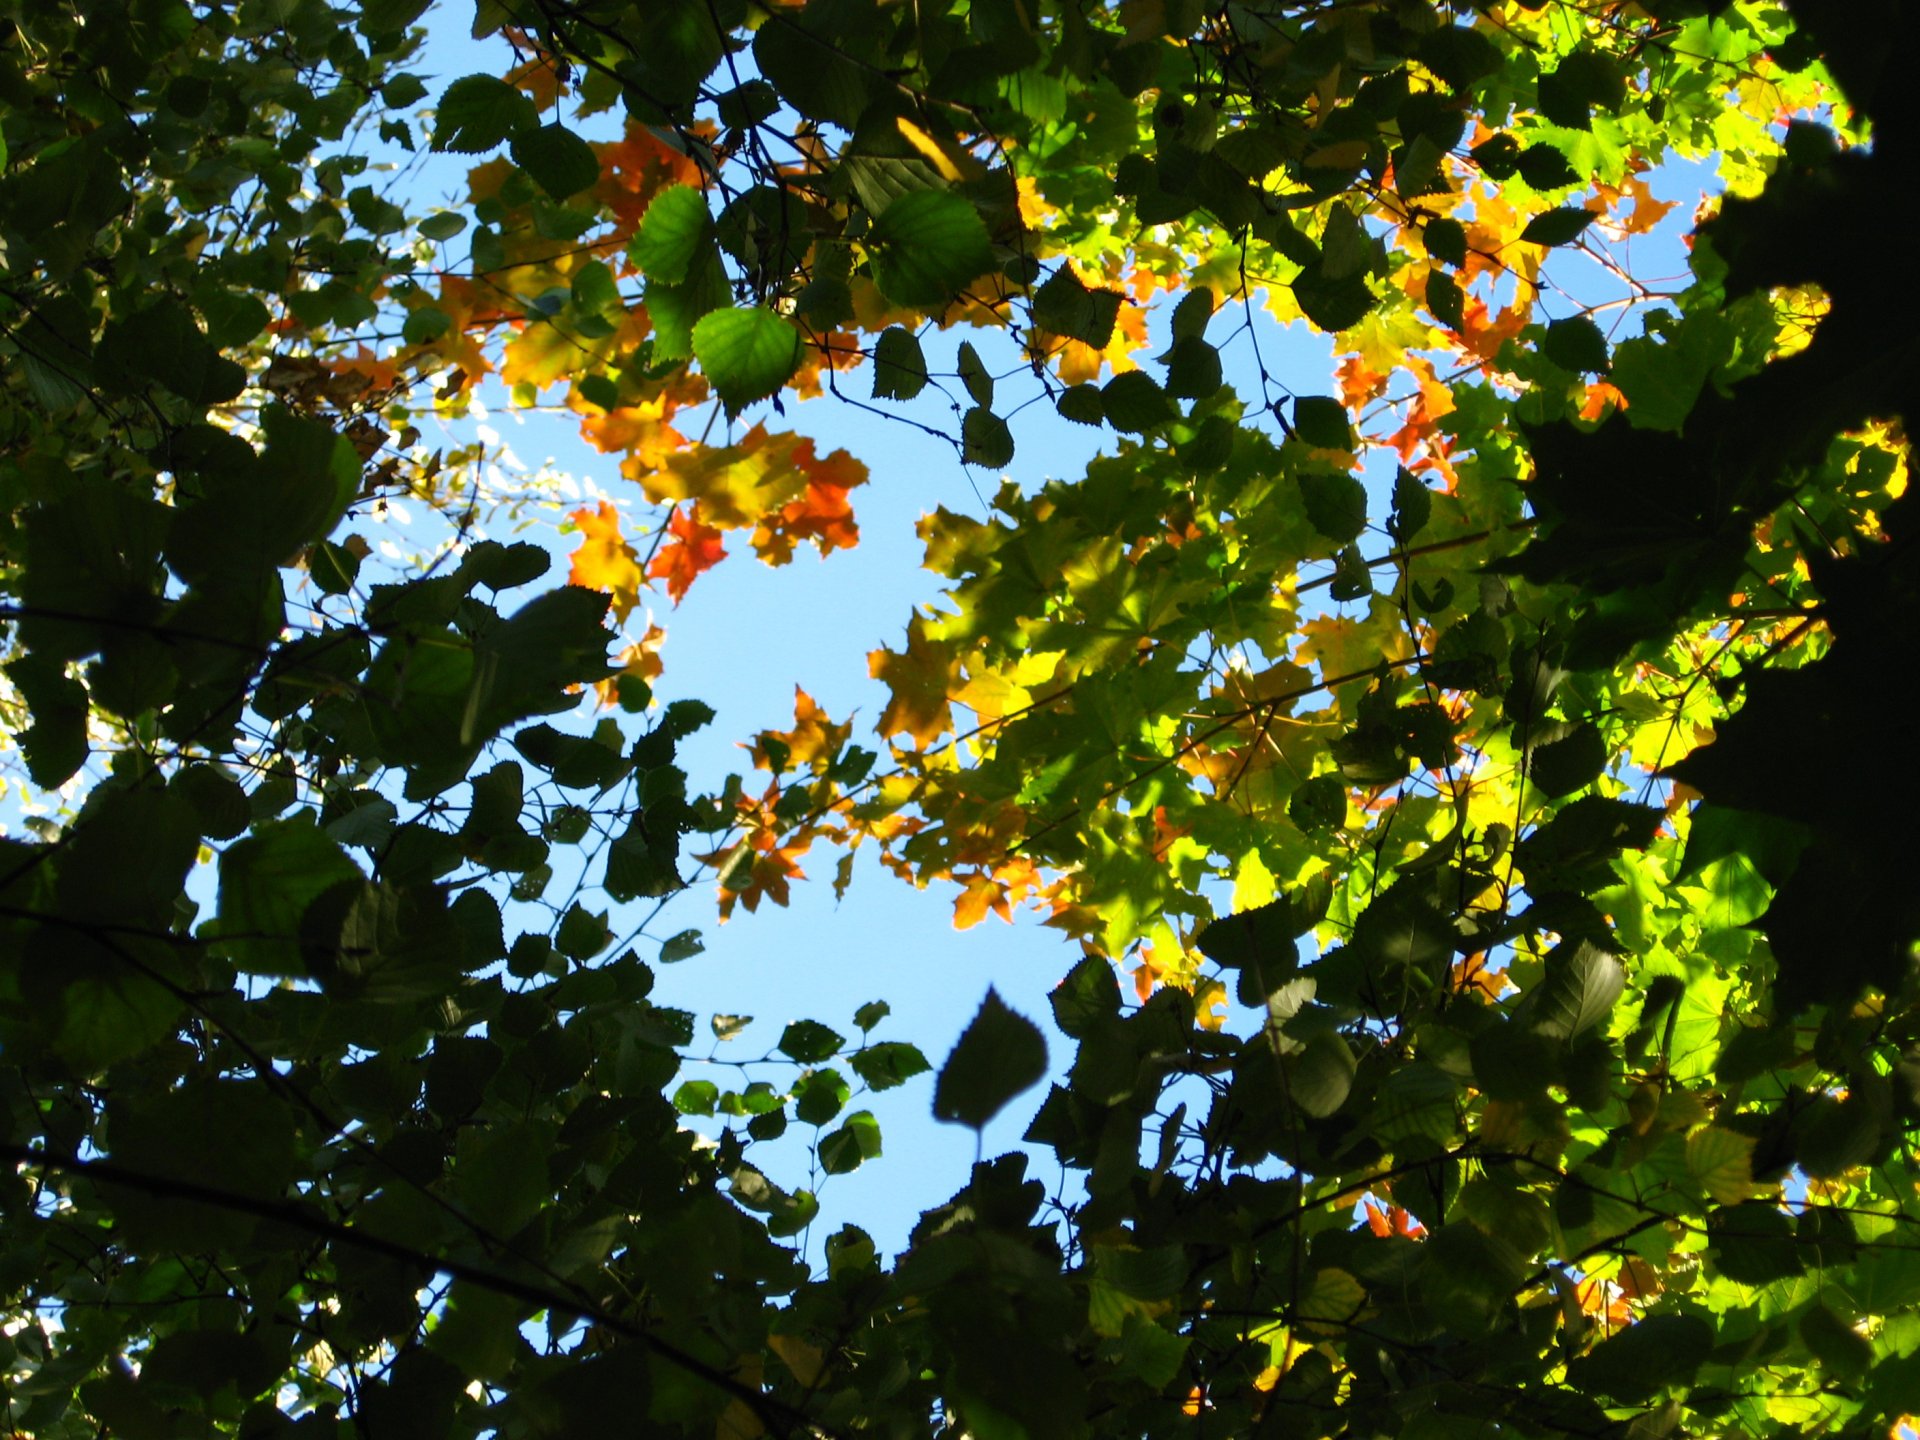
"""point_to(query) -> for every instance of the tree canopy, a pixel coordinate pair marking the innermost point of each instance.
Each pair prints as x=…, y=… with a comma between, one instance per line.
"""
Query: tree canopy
x=1494, y=1006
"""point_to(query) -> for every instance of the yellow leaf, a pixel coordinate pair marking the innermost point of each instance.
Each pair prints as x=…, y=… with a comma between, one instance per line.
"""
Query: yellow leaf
x=933, y=152
x=920, y=680
x=605, y=561
x=804, y=1360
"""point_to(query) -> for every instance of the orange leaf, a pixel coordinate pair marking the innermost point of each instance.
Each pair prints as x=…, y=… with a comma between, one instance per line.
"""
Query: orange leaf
x=1601, y=398
x=539, y=79
x=983, y=893
x=694, y=549
x=813, y=742
x=1359, y=382
x=643, y=431
x=636, y=167
x=822, y=514
x=642, y=659
x=605, y=561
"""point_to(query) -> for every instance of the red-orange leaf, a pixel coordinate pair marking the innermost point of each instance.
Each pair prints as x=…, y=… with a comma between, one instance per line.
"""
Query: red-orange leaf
x=694, y=549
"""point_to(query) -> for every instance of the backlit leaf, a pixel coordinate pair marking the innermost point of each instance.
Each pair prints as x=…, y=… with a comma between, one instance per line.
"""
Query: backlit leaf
x=747, y=354
x=928, y=245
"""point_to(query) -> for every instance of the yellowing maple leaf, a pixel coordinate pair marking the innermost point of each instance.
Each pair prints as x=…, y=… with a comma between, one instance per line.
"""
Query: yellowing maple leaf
x=642, y=432
x=920, y=679
x=812, y=744
x=774, y=484
x=545, y=351
x=640, y=659
x=605, y=561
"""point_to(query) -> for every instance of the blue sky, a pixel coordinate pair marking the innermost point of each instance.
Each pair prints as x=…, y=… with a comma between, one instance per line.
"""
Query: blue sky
x=746, y=635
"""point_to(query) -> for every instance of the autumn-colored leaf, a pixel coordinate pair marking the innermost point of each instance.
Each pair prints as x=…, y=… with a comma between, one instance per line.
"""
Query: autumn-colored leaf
x=642, y=432
x=636, y=167
x=920, y=680
x=604, y=560
x=812, y=743
x=694, y=549
x=772, y=483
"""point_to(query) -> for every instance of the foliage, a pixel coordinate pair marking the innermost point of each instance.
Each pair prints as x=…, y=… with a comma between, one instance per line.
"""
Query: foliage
x=1524, y=1033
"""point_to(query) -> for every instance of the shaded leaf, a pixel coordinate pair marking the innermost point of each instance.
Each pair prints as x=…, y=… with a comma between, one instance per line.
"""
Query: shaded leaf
x=1000, y=1054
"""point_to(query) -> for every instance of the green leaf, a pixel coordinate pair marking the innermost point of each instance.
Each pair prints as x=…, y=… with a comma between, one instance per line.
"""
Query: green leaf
x=1000, y=1054
x=887, y=1064
x=55, y=743
x=1321, y=1077
x=1064, y=306
x=1578, y=991
x=477, y=112
x=1134, y=403
x=1260, y=938
x=857, y=1140
x=1335, y=504
x=333, y=568
x=813, y=73
x=1319, y=804
x=683, y=946
x=985, y=439
x=560, y=162
x=500, y=1174
x=928, y=245
x=747, y=354
x=1663, y=375
x=1643, y=1359
x=1332, y=303
x=1459, y=55
x=1082, y=405
x=1753, y=1243
x=673, y=234
x=696, y=1097
x=1580, y=82
x=810, y=1042
x=1412, y=506
x=1446, y=299
x=1191, y=315
x=819, y=1096
x=1577, y=344
x=899, y=365
x=1838, y=1347
x=1087, y=998
x=1321, y=421
x=1558, y=227
x=973, y=375
x=1446, y=240
x=267, y=881
x=1193, y=369
x=1569, y=763
x=1545, y=167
